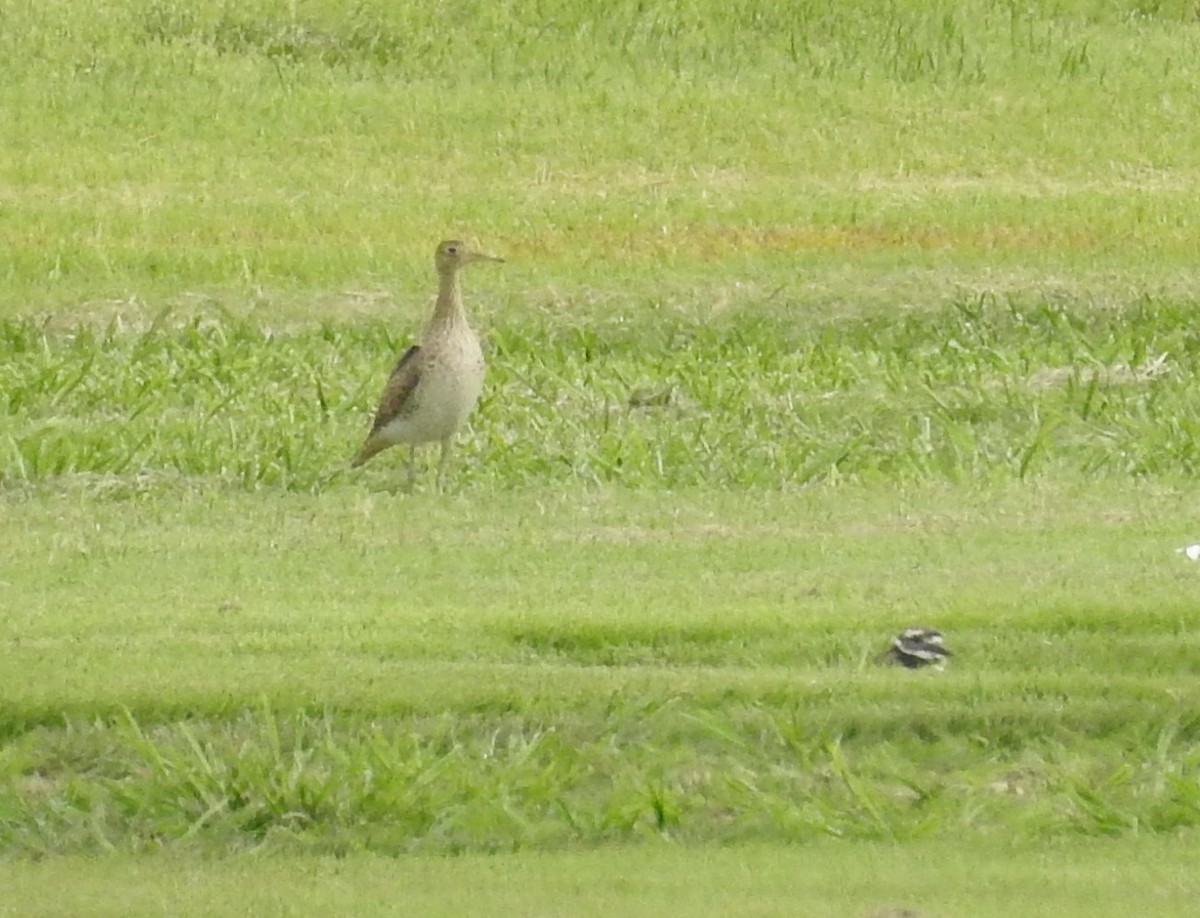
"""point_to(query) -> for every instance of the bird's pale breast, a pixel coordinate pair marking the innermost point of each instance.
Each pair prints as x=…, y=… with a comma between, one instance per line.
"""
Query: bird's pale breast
x=451, y=381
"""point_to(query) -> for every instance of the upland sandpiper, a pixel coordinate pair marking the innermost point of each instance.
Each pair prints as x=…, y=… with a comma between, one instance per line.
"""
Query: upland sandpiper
x=917, y=646
x=436, y=383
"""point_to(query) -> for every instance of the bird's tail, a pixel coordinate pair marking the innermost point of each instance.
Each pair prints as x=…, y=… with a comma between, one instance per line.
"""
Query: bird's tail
x=369, y=449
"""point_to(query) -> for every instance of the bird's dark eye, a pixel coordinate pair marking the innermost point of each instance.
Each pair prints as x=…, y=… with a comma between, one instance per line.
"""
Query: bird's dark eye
x=451, y=250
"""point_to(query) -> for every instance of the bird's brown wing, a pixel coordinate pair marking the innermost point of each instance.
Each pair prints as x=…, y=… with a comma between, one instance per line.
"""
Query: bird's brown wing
x=399, y=388
x=392, y=403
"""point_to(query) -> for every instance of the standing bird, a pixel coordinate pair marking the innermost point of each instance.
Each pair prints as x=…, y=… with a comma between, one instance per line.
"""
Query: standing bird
x=914, y=647
x=436, y=384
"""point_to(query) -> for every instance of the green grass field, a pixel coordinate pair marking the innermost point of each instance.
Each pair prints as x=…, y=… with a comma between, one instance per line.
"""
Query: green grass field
x=817, y=321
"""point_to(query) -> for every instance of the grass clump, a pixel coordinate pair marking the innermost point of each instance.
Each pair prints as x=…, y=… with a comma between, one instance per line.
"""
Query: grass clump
x=991, y=388
x=651, y=768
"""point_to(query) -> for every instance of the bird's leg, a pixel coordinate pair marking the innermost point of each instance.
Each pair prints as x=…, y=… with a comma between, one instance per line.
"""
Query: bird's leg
x=441, y=469
x=412, y=467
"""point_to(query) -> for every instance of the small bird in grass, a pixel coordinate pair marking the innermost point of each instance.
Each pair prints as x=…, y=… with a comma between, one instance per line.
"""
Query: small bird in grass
x=436, y=383
x=917, y=646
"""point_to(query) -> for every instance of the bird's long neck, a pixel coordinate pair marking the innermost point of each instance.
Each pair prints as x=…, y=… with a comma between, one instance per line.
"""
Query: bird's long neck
x=449, y=311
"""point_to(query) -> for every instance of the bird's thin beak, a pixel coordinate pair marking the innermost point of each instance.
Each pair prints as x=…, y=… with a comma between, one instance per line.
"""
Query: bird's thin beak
x=483, y=256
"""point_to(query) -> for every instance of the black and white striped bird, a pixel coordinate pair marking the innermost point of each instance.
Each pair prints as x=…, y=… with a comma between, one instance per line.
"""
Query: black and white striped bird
x=917, y=646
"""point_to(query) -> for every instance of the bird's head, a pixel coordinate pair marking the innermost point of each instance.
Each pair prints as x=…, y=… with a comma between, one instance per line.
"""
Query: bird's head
x=454, y=253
